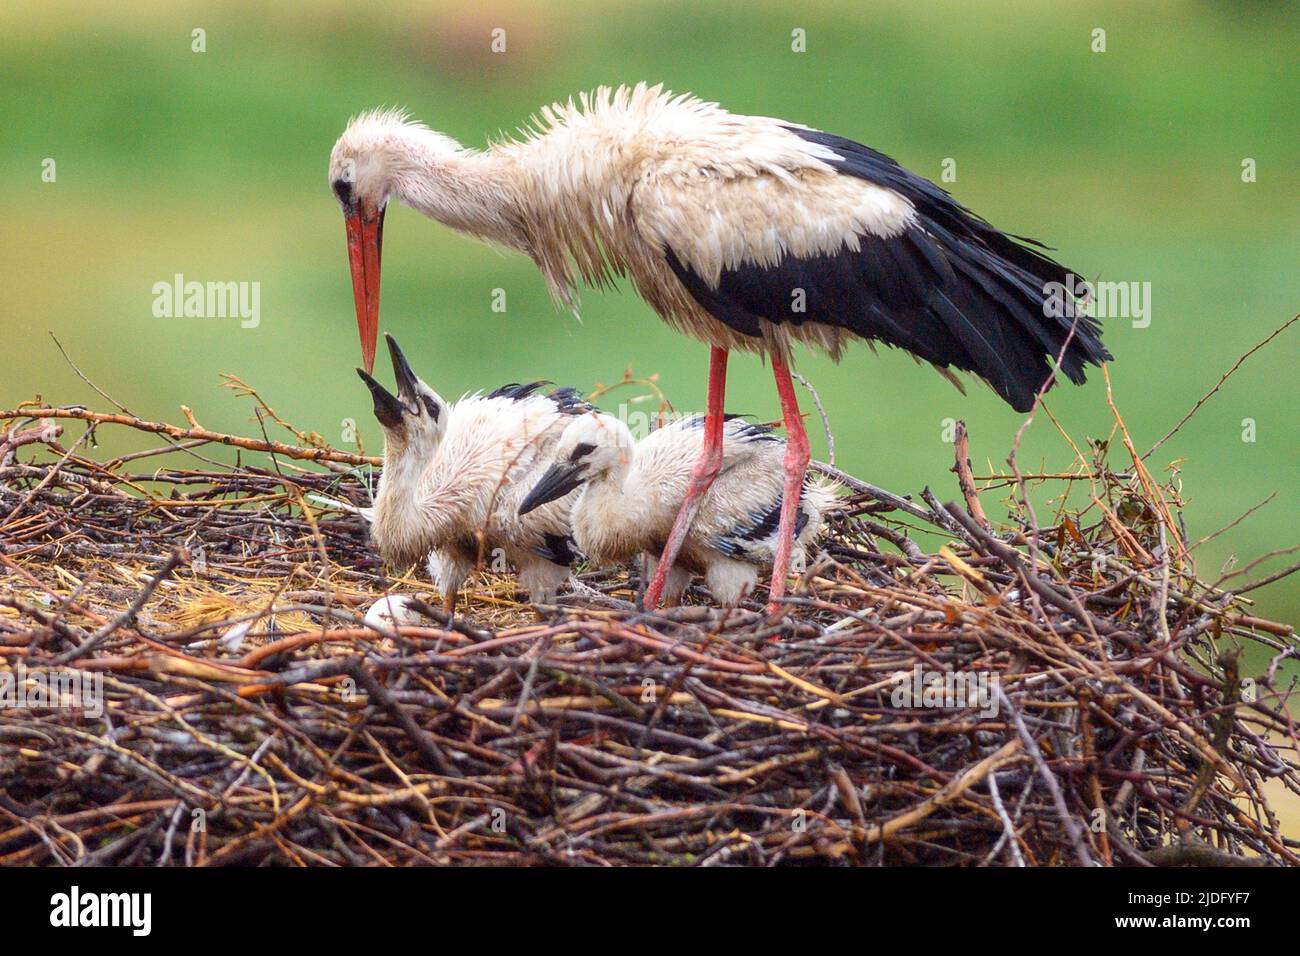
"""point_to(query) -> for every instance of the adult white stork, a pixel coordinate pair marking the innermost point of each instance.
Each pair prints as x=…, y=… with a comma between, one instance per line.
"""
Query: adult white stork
x=747, y=232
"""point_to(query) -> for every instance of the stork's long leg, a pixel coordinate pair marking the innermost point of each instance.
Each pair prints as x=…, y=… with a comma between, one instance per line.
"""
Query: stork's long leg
x=706, y=469
x=796, y=466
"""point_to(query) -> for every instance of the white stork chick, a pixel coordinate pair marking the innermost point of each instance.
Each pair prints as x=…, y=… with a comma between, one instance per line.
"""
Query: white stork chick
x=749, y=233
x=632, y=491
x=454, y=476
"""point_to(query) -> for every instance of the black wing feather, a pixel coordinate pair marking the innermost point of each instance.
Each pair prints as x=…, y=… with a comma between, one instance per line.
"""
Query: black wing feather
x=951, y=289
x=517, y=391
x=741, y=430
x=559, y=549
x=759, y=527
x=568, y=399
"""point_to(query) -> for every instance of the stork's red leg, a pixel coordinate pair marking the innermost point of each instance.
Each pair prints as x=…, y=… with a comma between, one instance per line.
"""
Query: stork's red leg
x=796, y=466
x=706, y=469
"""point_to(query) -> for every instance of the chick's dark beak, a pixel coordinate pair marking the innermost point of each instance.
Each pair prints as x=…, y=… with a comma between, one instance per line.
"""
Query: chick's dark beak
x=402, y=372
x=388, y=409
x=558, y=481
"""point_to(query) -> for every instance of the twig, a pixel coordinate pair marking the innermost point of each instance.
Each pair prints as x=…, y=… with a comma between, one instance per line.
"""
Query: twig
x=965, y=480
x=1219, y=384
x=82, y=375
x=862, y=487
x=172, y=431
x=826, y=422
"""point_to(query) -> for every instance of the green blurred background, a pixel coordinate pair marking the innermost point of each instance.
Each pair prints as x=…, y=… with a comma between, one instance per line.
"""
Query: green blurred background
x=213, y=165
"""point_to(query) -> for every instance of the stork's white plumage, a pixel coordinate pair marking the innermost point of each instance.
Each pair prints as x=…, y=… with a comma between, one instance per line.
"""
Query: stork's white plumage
x=631, y=492
x=747, y=232
x=454, y=476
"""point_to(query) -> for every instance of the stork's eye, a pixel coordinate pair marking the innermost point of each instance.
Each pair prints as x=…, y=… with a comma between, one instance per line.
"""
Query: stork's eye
x=343, y=189
x=581, y=451
x=430, y=406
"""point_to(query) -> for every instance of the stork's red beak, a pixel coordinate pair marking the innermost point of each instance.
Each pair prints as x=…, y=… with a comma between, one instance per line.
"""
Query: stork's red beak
x=365, y=243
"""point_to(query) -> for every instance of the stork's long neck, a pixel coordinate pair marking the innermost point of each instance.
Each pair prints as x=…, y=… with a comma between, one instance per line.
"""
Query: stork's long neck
x=468, y=190
x=402, y=470
x=404, y=526
x=571, y=186
x=560, y=197
x=606, y=516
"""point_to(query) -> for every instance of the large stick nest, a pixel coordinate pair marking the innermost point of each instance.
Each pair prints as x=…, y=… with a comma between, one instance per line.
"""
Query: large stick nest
x=248, y=716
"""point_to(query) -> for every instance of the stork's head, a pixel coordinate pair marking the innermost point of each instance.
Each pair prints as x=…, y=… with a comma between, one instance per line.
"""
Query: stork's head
x=592, y=447
x=415, y=419
x=379, y=155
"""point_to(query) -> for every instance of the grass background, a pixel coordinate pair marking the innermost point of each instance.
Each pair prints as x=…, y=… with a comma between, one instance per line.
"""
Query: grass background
x=213, y=165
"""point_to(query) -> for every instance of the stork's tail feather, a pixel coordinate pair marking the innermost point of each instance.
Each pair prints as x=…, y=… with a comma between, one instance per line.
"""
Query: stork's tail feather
x=1011, y=321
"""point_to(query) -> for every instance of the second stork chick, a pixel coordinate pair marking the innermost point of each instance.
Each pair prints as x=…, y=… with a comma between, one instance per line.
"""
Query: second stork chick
x=454, y=475
x=632, y=491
